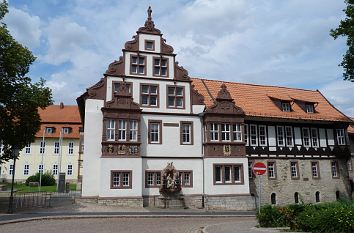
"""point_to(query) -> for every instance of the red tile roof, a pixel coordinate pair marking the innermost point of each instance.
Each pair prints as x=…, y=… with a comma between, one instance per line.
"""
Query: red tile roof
x=56, y=117
x=258, y=100
x=351, y=127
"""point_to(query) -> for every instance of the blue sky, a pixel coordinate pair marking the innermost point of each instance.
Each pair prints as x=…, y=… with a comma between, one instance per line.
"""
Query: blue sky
x=283, y=43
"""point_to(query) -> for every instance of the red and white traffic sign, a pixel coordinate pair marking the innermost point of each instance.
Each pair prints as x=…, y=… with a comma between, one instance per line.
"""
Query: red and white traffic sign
x=259, y=168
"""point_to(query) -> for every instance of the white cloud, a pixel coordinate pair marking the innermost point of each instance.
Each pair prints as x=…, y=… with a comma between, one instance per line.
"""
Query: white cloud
x=24, y=27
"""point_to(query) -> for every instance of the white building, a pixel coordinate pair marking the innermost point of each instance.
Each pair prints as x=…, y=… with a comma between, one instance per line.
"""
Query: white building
x=57, y=156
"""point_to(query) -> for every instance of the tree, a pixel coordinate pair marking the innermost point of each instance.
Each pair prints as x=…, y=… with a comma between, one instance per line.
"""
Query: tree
x=19, y=97
x=346, y=28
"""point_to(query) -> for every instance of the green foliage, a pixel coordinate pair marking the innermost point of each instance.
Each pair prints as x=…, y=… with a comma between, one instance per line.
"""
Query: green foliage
x=19, y=97
x=47, y=179
x=270, y=216
x=346, y=28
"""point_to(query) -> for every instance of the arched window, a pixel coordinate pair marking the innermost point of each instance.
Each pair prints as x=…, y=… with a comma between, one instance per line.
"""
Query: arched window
x=337, y=195
x=296, y=197
x=273, y=199
x=317, y=196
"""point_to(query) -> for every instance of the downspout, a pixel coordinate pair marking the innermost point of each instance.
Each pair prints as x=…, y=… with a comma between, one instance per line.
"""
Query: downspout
x=201, y=115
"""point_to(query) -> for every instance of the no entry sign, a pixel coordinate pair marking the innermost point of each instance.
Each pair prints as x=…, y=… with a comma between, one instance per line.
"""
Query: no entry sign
x=259, y=168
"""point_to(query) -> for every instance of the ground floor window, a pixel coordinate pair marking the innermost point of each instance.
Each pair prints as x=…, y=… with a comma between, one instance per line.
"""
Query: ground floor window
x=186, y=178
x=273, y=198
x=317, y=195
x=152, y=179
x=228, y=174
x=121, y=179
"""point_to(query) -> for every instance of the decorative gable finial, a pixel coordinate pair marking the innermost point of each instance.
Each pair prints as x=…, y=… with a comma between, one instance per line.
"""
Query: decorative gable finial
x=149, y=24
x=224, y=94
x=149, y=11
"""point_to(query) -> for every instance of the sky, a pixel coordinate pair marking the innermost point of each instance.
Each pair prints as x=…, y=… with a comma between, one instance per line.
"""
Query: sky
x=270, y=42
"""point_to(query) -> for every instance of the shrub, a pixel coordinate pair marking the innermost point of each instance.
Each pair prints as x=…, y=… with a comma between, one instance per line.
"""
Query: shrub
x=47, y=179
x=270, y=216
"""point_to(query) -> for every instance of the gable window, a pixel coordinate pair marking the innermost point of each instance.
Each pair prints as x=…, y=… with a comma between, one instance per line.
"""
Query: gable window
x=186, y=129
x=160, y=67
x=228, y=174
x=152, y=179
x=340, y=137
x=137, y=65
x=285, y=106
x=149, y=95
x=294, y=170
x=55, y=169
x=27, y=148
x=26, y=170
x=262, y=135
x=56, y=147
x=111, y=130
x=40, y=168
x=314, y=137
x=214, y=132
x=186, y=178
x=155, y=132
x=309, y=108
x=42, y=147
x=49, y=130
x=246, y=134
x=334, y=169
x=71, y=148
x=121, y=179
x=149, y=45
x=69, y=172
x=225, y=132
x=306, y=136
x=289, y=136
x=117, y=84
x=133, y=131
x=253, y=135
x=237, y=132
x=315, y=170
x=122, y=130
x=271, y=170
x=280, y=134
x=175, y=96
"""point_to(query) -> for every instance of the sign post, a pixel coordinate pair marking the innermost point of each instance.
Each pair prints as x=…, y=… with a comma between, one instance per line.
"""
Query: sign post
x=259, y=169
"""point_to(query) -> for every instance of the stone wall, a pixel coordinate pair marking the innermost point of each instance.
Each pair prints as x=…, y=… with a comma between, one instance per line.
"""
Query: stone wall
x=185, y=201
x=285, y=187
x=122, y=202
x=232, y=202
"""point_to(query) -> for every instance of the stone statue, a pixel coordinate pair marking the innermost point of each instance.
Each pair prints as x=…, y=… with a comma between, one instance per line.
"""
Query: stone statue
x=170, y=183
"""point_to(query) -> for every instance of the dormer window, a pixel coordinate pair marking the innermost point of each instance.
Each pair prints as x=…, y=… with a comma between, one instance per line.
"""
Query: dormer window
x=49, y=130
x=149, y=45
x=138, y=65
x=66, y=130
x=309, y=108
x=285, y=106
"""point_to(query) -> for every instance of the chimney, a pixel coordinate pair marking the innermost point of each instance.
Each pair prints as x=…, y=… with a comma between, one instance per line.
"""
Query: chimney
x=61, y=105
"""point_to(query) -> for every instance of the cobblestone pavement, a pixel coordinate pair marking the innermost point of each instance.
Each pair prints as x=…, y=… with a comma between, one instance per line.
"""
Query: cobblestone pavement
x=132, y=225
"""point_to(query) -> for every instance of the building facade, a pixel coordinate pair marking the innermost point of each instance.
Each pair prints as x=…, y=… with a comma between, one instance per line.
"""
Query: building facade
x=54, y=154
x=146, y=113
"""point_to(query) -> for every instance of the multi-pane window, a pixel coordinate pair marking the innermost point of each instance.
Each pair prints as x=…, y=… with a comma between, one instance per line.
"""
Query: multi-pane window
x=340, y=137
x=314, y=137
x=253, y=135
x=237, y=132
x=228, y=174
x=186, y=133
x=175, y=96
x=149, y=95
x=309, y=108
x=71, y=148
x=271, y=170
x=55, y=169
x=111, y=130
x=133, y=131
x=121, y=179
x=40, y=168
x=26, y=170
x=315, y=170
x=280, y=135
x=155, y=132
x=214, y=132
x=122, y=130
x=137, y=65
x=153, y=179
x=42, y=147
x=56, y=147
x=160, y=66
x=116, y=86
x=225, y=132
x=286, y=107
x=69, y=172
x=262, y=135
x=246, y=134
x=11, y=169
x=334, y=169
x=185, y=178
x=27, y=148
x=306, y=136
x=149, y=45
x=294, y=170
x=289, y=136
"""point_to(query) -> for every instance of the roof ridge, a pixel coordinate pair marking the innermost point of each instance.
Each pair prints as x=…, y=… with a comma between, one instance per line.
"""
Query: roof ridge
x=251, y=84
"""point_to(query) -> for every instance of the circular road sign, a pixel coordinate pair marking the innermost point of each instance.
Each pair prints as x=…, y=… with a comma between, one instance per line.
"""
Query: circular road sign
x=259, y=168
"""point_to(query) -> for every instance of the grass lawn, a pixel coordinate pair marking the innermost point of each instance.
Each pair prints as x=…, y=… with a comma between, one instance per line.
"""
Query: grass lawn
x=22, y=188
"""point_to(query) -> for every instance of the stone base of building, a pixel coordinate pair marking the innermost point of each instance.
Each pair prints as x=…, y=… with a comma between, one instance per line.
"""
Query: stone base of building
x=188, y=201
x=229, y=202
x=126, y=202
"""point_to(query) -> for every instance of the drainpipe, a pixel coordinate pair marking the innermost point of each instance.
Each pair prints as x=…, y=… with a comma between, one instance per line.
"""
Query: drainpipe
x=201, y=115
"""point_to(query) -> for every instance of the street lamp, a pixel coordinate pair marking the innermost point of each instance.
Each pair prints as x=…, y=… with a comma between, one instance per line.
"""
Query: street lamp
x=15, y=153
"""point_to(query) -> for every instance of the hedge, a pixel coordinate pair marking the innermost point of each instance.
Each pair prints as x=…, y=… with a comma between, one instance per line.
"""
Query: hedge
x=47, y=179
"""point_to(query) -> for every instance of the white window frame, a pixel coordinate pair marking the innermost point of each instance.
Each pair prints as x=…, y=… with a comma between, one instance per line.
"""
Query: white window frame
x=314, y=137
x=27, y=149
x=214, y=132
x=41, y=168
x=289, y=140
x=306, y=138
x=334, y=169
x=186, y=133
x=26, y=170
x=294, y=170
x=309, y=108
x=55, y=169
x=155, y=131
x=315, y=169
x=66, y=130
x=11, y=169
x=122, y=130
x=237, y=132
x=340, y=137
x=220, y=173
x=280, y=136
x=69, y=171
x=245, y=128
x=253, y=136
x=285, y=106
x=271, y=170
x=71, y=148
x=262, y=135
x=225, y=132
x=49, y=130
x=42, y=147
x=111, y=130
x=133, y=130
x=56, y=147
